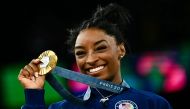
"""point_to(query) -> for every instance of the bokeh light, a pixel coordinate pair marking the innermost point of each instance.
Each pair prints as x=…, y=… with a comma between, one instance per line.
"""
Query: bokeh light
x=76, y=87
x=171, y=75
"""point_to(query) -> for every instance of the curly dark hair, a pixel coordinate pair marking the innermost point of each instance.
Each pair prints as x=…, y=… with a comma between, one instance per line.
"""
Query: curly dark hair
x=113, y=19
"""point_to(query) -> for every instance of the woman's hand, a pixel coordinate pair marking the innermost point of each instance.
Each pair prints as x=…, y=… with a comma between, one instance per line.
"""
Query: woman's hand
x=29, y=77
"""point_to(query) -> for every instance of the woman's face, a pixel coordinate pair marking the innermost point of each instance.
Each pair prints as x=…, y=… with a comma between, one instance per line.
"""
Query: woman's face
x=97, y=55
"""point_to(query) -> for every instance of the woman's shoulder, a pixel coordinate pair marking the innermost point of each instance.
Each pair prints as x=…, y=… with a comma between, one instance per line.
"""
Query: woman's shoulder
x=149, y=96
x=145, y=94
x=143, y=99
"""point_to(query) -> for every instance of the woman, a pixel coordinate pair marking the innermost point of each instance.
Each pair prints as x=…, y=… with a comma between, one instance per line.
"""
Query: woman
x=99, y=46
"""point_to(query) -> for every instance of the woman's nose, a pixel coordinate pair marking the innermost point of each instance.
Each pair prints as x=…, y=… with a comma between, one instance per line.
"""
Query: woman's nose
x=91, y=59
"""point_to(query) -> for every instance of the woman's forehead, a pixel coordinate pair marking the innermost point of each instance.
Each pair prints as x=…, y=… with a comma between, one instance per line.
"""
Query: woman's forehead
x=92, y=36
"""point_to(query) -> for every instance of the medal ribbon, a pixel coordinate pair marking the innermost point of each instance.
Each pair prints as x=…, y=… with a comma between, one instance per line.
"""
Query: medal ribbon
x=49, y=60
x=79, y=77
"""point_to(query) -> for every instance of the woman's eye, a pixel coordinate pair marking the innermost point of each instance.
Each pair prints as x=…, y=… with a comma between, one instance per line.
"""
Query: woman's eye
x=101, y=48
x=79, y=53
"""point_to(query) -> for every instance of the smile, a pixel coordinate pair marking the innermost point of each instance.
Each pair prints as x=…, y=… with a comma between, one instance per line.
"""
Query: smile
x=96, y=69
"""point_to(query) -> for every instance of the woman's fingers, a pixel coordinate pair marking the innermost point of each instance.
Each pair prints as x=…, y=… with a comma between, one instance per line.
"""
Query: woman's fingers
x=36, y=61
x=29, y=70
x=29, y=76
x=24, y=73
x=34, y=67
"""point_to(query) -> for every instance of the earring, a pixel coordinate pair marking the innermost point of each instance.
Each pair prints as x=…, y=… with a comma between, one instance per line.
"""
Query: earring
x=121, y=56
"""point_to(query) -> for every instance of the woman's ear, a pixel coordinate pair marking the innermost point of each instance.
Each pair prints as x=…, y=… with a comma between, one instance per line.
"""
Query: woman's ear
x=122, y=50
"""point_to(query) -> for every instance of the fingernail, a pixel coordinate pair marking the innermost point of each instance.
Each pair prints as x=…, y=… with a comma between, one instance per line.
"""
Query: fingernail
x=33, y=78
x=36, y=74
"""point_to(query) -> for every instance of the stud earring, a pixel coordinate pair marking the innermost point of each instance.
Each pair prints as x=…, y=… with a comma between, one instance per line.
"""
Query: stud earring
x=121, y=56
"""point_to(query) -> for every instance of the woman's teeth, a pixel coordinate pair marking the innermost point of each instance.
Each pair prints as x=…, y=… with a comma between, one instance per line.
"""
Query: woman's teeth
x=96, y=69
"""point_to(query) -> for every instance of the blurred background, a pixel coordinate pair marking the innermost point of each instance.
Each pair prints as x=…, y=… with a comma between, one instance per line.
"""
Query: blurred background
x=160, y=46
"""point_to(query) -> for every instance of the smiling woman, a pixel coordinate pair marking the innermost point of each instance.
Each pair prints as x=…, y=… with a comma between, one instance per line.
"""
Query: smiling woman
x=99, y=55
x=99, y=45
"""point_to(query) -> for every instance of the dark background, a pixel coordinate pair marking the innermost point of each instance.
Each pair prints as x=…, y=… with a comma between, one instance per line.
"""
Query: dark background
x=159, y=24
x=30, y=28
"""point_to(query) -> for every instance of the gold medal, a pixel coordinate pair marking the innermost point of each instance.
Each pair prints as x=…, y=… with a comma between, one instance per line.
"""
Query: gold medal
x=49, y=61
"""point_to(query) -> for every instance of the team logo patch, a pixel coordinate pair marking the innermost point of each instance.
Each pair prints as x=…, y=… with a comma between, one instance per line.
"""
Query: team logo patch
x=125, y=104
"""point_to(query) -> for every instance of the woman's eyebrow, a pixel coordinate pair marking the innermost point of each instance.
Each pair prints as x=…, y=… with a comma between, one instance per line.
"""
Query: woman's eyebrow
x=100, y=41
x=79, y=47
x=96, y=43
